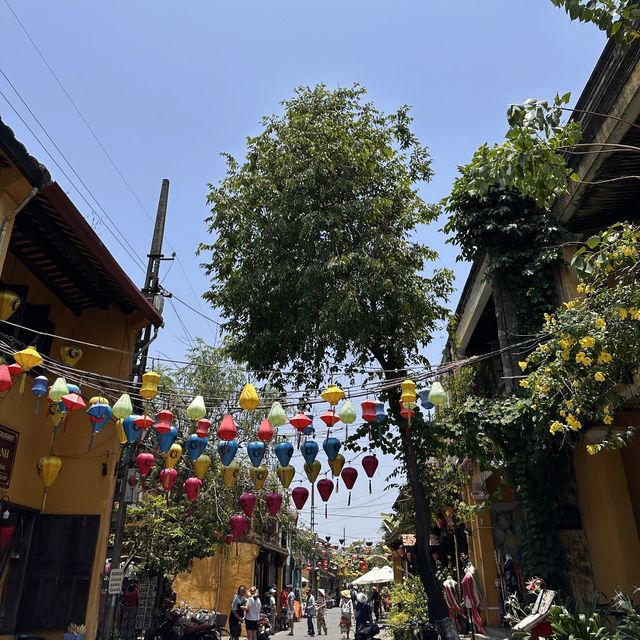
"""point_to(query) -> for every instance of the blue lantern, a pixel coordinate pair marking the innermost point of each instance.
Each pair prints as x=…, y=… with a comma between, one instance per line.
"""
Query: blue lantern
x=309, y=450
x=99, y=414
x=40, y=389
x=309, y=431
x=284, y=452
x=73, y=388
x=227, y=450
x=131, y=429
x=195, y=446
x=165, y=440
x=331, y=447
x=381, y=414
x=255, y=451
x=424, y=399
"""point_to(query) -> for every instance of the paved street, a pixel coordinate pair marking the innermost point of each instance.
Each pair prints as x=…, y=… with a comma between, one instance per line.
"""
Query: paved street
x=300, y=630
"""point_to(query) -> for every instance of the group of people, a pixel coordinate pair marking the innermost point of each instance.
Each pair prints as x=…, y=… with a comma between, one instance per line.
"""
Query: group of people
x=246, y=609
x=355, y=606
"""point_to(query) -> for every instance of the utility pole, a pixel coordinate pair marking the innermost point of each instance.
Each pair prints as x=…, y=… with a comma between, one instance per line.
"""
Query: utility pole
x=152, y=292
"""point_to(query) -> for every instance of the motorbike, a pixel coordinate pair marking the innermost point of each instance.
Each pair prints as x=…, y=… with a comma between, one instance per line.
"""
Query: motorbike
x=264, y=625
x=195, y=627
x=368, y=632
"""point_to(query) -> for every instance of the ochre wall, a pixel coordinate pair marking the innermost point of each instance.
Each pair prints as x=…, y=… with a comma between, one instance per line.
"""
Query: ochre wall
x=212, y=582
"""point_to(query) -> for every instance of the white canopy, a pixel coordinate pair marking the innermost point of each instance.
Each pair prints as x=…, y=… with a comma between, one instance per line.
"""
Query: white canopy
x=375, y=576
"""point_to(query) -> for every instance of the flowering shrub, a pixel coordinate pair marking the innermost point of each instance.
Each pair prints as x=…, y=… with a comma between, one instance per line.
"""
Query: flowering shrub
x=582, y=374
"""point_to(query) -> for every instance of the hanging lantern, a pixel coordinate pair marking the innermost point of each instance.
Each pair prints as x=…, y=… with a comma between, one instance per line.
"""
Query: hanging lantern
x=166, y=440
x=408, y=391
x=49, y=468
x=99, y=414
x=349, y=476
x=122, y=436
x=424, y=399
x=312, y=470
x=143, y=422
x=285, y=475
x=284, y=452
x=163, y=422
x=73, y=388
x=277, y=416
x=168, y=478
x=368, y=408
x=58, y=389
x=381, y=414
x=5, y=379
x=6, y=533
x=9, y=304
x=259, y=476
x=337, y=464
x=301, y=421
x=70, y=354
x=121, y=409
x=28, y=359
x=309, y=450
x=202, y=430
x=73, y=402
x=248, y=502
x=201, y=466
x=300, y=496
x=56, y=415
x=347, y=412
x=15, y=369
x=249, y=399
x=230, y=474
x=196, y=409
x=239, y=525
x=149, y=388
x=173, y=456
x=255, y=451
x=227, y=429
x=437, y=395
x=330, y=418
x=407, y=414
x=144, y=463
x=195, y=446
x=98, y=400
x=273, y=500
x=227, y=451
x=325, y=489
x=370, y=464
x=333, y=394
x=331, y=447
x=265, y=431
x=192, y=488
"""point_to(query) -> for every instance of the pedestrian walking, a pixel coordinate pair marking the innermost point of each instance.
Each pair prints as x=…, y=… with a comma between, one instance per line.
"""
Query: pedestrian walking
x=254, y=606
x=270, y=604
x=362, y=611
x=321, y=607
x=291, y=609
x=310, y=612
x=238, y=609
x=346, y=613
x=376, y=601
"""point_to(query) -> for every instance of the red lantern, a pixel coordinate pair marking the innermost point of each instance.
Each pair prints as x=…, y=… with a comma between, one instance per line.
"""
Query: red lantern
x=300, y=421
x=274, y=502
x=407, y=414
x=368, y=410
x=363, y=566
x=248, y=503
x=5, y=378
x=163, y=422
x=144, y=463
x=168, y=478
x=15, y=370
x=239, y=525
x=192, y=488
x=330, y=418
x=227, y=429
x=73, y=402
x=202, y=430
x=325, y=489
x=142, y=422
x=265, y=431
x=370, y=464
x=300, y=496
x=349, y=477
x=6, y=533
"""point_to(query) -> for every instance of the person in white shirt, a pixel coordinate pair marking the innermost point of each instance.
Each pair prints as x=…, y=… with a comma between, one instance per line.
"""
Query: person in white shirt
x=254, y=606
x=291, y=610
x=236, y=617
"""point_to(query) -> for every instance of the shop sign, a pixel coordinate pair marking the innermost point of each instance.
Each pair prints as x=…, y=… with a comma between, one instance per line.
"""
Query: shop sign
x=8, y=448
x=116, y=578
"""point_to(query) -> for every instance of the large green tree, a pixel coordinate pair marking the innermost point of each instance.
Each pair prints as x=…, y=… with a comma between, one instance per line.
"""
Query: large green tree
x=314, y=263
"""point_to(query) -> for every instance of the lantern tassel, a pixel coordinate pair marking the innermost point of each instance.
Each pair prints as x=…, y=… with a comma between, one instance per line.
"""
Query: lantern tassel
x=37, y=406
x=236, y=548
x=349, y=502
x=369, y=485
x=91, y=439
x=44, y=498
x=325, y=510
x=23, y=379
x=337, y=483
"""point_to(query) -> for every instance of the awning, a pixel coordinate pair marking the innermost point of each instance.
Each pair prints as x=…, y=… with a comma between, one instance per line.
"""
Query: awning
x=375, y=576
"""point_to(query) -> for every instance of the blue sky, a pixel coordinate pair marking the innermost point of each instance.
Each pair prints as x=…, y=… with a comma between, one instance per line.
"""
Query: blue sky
x=167, y=86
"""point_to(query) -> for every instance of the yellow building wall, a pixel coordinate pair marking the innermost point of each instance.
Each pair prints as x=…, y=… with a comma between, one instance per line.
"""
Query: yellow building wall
x=213, y=582
x=81, y=487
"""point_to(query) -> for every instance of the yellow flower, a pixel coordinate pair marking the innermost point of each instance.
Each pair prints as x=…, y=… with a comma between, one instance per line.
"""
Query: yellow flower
x=598, y=376
x=524, y=383
x=580, y=288
x=522, y=364
x=587, y=342
x=555, y=427
x=604, y=357
x=623, y=313
x=608, y=419
x=606, y=409
x=576, y=383
x=600, y=323
x=547, y=318
x=574, y=423
x=587, y=362
x=592, y=449
x=580, y=356
x=629, y=251
x=570, y=305
x=563, y=413
x=566, y=354
x=633, y=312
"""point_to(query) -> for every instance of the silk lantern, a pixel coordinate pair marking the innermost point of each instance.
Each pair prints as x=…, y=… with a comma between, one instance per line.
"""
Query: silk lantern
x=70, y=354
x=331, y=447
x=144, y=463
x=196, y=409
x=9, y=304
x=325, y=489
x=166, y=440
x=330, y=418
x=39, y=389
x=143, y=422
x=227, y=451
x=195, y=446
x=284, y=452
x=227, y=429
x=437, y=395
x=122, y=408
x=333, y=394
x=239, y=525
x=301, y=421
x=49, y=467
x=98, y=400
x=336, y=466
x=406, y=413
x=370, y=464
x=248, y=502
x=201, y=466
x=285, y=475
x=5, y=378
x=202, y=429
x=14, y=370
x=28, y=359
x=424, y=399
x=265, y=431
x=249, y=399
x=347, y=412
x=312, y=470
x=163, y=421
x=149, y=388
x=408, y=392
x=230, y=474
x=73, y=402
x=168, y=478
x=273, y=500
x=349, y=476
x=131, y=429
x=259, y=476
x=99, y=414
x=58, y=389
x=192, y=487
x=300, y=496
x=122, y=436
x=309, y=450
x=368, y=408
x=56, y=415
x=277, y=416
x=172, y=457
x=255, y=451
x=381, y=414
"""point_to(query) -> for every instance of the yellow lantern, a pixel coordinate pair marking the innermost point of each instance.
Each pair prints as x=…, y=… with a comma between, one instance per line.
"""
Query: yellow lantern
x=70, y=354
x=56, y=415
x=285, y=475
x=259, y=475
x=98, y=400
x=150, y=381
x=9, y=304
x=408, y=396
x=172, y=456
x=201, y=465
x=28, y=359
x=249, y=399
x=332, y=395
x=122, y=436
x=230, y=474
x=312, y=470
x=49, y=468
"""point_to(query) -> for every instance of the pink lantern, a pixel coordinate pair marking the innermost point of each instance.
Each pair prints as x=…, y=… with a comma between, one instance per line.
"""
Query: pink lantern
x=202, y=430
x=325, y=489
x=274, y=502
x=300, y=421
x=73, y=402
x=239, y=525
x=248, y=503
x=15, y=369
x=192, y=488
x=330, y=418
x=144, y=463
x=349, y=476
x=227, y=429
x=265, y=431
x=5, y=378
x=370, y=464
x=163, y=422
x=300, y=496
x=369, y=413
x=168, y=478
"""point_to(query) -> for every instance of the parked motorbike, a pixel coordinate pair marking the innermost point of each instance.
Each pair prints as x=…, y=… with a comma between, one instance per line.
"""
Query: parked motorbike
x=194, y=627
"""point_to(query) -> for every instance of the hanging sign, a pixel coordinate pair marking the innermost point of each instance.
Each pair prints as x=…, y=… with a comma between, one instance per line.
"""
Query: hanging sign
x=8, y=447
x=116, y=578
